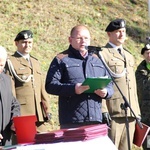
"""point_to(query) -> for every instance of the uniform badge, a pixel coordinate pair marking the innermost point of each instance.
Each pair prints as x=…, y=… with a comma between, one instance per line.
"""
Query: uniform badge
x=122, y=24
x=25, y=35
x=147, y=46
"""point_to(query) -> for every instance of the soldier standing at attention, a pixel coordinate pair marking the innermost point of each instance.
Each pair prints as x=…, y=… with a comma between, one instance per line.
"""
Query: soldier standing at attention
x=27, y=80
x=120, y=63
x=143, y=87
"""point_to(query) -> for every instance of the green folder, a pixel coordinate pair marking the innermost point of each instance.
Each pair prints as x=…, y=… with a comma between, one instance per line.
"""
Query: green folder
x=96, y=83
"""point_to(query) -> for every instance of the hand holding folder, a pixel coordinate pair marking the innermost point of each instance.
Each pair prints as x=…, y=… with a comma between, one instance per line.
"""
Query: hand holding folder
x=96, y=83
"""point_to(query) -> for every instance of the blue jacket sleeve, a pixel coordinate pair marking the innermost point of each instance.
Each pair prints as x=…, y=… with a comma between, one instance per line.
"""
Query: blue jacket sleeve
x=110, y=89
x=54, y=84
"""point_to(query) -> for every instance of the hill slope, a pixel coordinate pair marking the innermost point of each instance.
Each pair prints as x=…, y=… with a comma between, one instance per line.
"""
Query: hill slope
x=51, y=21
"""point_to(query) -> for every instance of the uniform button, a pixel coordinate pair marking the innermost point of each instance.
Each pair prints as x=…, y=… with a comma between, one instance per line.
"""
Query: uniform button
x=24, y=77
x=90, y=118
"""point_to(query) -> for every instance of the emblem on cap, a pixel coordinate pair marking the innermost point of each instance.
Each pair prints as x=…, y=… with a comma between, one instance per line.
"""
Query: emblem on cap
x=23, y=35
x=115, y=25
x=147, y=46
x=27, y=36
x=122, y=24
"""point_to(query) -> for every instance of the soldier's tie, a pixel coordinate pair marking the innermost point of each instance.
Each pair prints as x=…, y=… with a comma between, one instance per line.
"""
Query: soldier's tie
x=120, y=52
x=29, y=61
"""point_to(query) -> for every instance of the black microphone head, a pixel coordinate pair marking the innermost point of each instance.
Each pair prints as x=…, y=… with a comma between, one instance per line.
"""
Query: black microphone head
x=94, y=49
x=86, y=47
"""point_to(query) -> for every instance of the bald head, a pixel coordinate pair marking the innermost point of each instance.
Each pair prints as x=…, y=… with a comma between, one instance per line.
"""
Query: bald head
x=3, y=57
x=78, y=28
x=80, y=38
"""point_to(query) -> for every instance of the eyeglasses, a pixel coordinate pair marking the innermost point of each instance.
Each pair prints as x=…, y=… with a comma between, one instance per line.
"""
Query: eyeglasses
x=81, y=38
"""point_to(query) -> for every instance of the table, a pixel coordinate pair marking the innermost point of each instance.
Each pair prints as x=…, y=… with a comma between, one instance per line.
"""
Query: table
x=100, y=143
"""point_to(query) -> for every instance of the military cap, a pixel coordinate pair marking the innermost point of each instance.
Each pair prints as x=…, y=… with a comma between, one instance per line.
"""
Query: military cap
x=145, y=48
x=115, y=25
x=23, y=35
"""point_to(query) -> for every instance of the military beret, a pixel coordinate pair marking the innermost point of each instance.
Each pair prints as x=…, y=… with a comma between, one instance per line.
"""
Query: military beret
x=115, y=25
x=145, y=48
x=23, y=35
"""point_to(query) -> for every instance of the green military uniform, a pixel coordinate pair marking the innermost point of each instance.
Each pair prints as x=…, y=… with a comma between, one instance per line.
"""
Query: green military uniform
x=143, y=88
x=29, y=87
x=120, y=64
x=122, y=70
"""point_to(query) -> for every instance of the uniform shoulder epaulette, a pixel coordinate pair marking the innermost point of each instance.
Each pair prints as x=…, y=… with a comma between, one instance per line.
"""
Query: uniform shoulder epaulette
x=33, y=57
x=127, y=50
x=103, y=47
x=11, y=57
x=8, y=56
x=62, y=54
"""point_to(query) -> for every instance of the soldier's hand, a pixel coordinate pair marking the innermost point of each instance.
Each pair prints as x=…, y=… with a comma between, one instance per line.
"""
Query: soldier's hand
x=106, y=118
x=49, y=117
x=139, y=118
x=12, y=127
x=138, y=121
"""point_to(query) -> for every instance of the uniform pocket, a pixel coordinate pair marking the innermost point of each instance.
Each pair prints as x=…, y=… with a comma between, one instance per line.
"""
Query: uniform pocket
x=22, y=100
x=116, y=65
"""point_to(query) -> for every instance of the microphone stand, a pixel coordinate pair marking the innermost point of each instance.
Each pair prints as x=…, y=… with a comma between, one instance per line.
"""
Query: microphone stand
x=124, y=106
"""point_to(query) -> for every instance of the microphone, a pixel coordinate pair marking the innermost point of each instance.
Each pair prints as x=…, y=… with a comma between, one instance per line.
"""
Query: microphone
x=93, y=49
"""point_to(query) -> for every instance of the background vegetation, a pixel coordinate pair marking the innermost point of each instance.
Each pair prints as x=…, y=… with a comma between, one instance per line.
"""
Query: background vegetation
x=51, y=21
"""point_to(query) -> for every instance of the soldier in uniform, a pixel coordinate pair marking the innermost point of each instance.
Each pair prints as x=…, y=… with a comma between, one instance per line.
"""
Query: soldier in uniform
x=143, y=87
x=120, y=64
x=28, y=82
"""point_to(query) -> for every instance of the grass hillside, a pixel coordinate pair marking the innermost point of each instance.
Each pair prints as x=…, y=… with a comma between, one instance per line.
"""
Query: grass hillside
x=51, y=21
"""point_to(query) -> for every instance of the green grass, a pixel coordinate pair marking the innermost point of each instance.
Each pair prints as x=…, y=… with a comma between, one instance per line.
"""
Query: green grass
x=51, y=21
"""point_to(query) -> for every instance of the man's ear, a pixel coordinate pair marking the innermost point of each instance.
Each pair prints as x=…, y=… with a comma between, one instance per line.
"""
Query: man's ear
x=16, y=43
x=70, y=40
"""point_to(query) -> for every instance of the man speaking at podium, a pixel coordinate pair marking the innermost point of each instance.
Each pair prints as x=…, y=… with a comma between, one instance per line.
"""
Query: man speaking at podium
x=65, y=76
